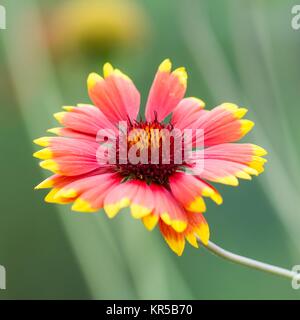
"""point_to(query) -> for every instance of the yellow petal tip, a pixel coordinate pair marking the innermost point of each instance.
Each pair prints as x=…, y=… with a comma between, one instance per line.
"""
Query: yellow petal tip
x=150, y=221
x=177, y=245
x=93, y=78
x=243, y=175
x=49, y=165
x=81, y=205
x=43, y=154
x=138, y=211
x=55, y=131
x=192, y=240
x=230, y=180
x=107, y=69
x=230, y=106
x=259, y=151
x=246, y=126
x=67, y=193
x=48, y=183
x=165, y=66
x=197, y=205
x=68, y=108
x=217, y=198
x=203, y=232
x=43, y=141
x=181, y=74
x=178, y=225
x=112, y=210
x=52, y=198
x=166, y=218
x=240, y=113
x=213, y=194
x=59, y=116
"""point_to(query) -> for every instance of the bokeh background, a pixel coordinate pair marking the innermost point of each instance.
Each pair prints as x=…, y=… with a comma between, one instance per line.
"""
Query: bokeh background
x=240, y=51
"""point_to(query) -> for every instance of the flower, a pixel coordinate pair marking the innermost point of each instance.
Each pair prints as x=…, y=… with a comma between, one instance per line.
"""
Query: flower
x=166, y=194
x=96, y=26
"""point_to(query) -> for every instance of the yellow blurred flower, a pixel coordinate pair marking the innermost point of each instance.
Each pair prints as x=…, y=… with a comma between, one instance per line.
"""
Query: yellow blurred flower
x=96, y=26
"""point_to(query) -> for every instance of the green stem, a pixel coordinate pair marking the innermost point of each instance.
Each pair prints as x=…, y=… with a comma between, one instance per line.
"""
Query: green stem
x=251, y=263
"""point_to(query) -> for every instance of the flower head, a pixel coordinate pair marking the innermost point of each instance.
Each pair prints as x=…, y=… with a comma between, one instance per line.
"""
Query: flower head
x=104, y=157
x=96, y=26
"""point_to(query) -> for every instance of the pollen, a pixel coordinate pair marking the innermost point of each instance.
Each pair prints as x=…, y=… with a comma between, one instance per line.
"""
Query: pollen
x=159, y=154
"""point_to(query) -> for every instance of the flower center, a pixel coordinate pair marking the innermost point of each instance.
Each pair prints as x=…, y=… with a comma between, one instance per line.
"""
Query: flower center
x=153, y=152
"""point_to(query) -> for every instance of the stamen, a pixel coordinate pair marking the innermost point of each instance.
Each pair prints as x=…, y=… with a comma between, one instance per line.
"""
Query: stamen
x=151, y=173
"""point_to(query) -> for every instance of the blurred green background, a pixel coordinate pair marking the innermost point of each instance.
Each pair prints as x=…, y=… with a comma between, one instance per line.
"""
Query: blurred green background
x=240, y=51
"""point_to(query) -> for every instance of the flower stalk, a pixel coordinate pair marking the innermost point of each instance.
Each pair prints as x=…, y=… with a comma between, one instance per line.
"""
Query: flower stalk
x=251, y=263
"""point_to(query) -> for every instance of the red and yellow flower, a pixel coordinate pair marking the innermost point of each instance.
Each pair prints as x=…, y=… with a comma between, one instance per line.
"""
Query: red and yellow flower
x=158, y=194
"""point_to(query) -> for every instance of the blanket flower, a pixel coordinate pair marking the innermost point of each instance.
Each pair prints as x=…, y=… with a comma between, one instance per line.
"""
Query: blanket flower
x=168, y=194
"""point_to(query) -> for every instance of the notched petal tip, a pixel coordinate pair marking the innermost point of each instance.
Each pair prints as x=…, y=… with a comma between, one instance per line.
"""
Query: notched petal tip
x=235, y=109
x=113, y=209
x=177, y=225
